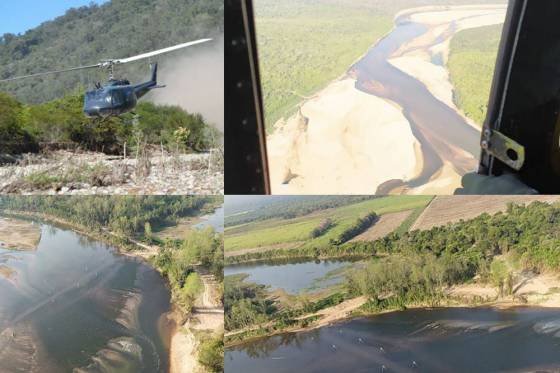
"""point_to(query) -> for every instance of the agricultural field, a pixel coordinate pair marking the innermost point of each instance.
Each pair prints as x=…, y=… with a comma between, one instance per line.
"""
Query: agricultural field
x=387, y=224
x=303, y=45
x=451, y=209
x=276, y=232
x=472, y=60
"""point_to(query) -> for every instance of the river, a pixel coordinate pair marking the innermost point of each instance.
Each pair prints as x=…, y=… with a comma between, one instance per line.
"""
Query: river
x=74, y=304
x=438, y=340
x=444, y=135
x=407, y=137
x=293, y=276
x=214, y=220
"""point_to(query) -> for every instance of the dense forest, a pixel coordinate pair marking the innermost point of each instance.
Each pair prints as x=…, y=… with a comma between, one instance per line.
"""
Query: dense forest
x=61, y=123
x=285, y=207
x=86, y=35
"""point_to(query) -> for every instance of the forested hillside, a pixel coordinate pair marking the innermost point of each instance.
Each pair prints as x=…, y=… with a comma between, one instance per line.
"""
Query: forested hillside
x=117, y=29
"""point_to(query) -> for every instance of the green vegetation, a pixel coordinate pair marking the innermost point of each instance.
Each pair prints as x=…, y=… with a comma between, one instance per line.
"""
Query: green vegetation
x=414, y=268
x=249, y=308
x=421, y=263
x=471, y=66
x=96, y=175
x=359, y=226
x=286, y=207
x=245, y=303
x=126, y=215
x=395, y=282
x=179, y=259
x=88, y=34
x=61, y=123
x=410, y=220
x=303, y=45
x=211, y=354
x=322, y=228
x=284, y=231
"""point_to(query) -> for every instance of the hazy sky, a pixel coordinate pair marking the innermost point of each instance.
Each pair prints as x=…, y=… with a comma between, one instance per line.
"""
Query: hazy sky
x=18, y=16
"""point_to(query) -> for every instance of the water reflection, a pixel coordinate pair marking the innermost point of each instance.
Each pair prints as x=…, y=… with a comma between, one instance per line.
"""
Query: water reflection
x=439, y=340
x=293, y=275
x=74, y=304
x=214, y=220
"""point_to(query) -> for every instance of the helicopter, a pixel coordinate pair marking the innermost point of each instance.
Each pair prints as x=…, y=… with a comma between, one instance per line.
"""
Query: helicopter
x=117, y=96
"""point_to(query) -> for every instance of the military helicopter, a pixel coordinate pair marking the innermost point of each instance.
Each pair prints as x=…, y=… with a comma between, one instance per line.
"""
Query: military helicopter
x=117, y=96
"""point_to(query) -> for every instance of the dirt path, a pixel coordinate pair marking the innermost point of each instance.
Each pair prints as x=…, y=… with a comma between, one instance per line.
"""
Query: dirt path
x=207, y=315
x=338, y=312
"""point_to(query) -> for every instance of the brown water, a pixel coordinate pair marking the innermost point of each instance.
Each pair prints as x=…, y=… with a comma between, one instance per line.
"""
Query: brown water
x=444, y=135
x=76, y=305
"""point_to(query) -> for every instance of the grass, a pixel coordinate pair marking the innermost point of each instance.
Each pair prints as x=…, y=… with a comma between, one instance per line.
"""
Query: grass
x=471, y=67
x=304, y=45
x=280, y=231
x=409, y=221
x=96, y=175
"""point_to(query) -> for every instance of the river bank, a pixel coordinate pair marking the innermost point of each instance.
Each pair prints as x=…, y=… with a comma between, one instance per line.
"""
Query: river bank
x=396, y=100
x=530, y=291
x=427, y=61
x=125, y=246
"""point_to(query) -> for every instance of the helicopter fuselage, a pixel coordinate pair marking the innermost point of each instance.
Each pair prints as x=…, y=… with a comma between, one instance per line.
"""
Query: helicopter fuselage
x=117, y=97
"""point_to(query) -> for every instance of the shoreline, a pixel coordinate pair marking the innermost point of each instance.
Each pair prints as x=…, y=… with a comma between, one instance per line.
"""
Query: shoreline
x=496, y=304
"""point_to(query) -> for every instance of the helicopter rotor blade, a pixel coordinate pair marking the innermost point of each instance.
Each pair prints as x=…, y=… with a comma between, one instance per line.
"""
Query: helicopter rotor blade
x=160, y=51
x=50, y=72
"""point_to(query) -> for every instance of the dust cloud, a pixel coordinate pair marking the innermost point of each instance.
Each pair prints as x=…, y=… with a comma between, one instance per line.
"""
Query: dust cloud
x=195, y=82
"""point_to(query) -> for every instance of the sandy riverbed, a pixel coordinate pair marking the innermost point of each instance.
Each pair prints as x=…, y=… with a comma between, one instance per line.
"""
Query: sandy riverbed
x=443, y=25
x=538, y=290
x=334, y=144
x=18, y=234
x=345, y=141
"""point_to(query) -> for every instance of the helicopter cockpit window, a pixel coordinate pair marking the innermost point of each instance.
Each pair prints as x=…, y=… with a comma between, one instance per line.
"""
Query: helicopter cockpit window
x=118, y=97
x=379, y=97
x=97, y=98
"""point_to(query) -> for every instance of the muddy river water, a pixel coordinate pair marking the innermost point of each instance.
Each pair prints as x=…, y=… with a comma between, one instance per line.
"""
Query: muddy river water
x=437, y=340
x=443, y=134
x=73, y=304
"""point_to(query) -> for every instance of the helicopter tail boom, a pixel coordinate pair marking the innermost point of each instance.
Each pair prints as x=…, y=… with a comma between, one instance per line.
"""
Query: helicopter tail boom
x=143, y=88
